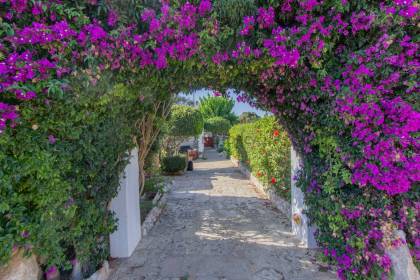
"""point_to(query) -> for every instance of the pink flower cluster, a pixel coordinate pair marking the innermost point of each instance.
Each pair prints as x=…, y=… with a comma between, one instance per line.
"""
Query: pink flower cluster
x=54, y=52
x=383, y=124
x=266, y=17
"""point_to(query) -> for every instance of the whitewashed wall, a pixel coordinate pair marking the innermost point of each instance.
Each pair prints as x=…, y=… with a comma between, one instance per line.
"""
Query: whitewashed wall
x=201, y=143
x=300, y=226
x=126, y=206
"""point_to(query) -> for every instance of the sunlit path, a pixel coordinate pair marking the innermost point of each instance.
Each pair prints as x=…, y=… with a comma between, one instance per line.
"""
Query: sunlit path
x=216, y=226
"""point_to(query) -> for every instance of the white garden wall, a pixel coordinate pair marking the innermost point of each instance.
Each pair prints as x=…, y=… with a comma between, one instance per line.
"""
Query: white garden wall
x=126, y=206
x=300, y=222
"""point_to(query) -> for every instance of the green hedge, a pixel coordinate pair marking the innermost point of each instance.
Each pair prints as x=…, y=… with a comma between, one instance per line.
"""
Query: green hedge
x=185, y=121
x=60, y=168
x=217, y=125
x=265, y=148
x=173, y=164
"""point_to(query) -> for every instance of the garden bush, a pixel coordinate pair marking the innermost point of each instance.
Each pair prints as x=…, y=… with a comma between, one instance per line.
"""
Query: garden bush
x=217, y=106
x=60, y=172
x=154, y=183
x=185, y=121
x=264, y=147
x=173, y=164
x=217, y=125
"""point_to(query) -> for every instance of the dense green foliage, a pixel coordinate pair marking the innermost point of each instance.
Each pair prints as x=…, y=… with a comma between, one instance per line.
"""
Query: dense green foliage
x=217, y=106
x=264, y=147
x=173, y=164
x=217, y=125
x=154, y=183
x=185, y=121
x=61, y=170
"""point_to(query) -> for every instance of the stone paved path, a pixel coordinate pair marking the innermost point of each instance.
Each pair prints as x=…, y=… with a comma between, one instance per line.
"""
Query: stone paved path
x=217, y=226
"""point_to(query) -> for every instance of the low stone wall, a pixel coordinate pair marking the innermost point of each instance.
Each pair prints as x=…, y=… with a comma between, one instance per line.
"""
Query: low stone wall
x=159, y=203
x=280, y=203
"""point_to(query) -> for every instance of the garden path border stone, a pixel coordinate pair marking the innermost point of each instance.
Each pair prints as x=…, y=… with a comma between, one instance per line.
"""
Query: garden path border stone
x=159, y=202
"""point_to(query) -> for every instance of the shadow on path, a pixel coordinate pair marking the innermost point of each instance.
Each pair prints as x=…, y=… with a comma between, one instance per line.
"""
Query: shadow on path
x=217, y=226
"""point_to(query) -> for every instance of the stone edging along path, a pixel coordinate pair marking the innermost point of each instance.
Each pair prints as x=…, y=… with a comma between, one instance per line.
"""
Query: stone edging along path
x=281, y=204
x=159, y=204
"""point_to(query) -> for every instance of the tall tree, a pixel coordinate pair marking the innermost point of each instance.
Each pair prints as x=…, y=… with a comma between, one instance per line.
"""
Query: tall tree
x=217, y=106
x=149, y=128
x=184, y=122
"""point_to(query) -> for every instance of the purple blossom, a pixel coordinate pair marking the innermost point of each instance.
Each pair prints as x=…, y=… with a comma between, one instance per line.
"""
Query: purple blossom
x=386, y=262
x=112, y=18
x=344, y=261
x=309, y=5
x=25, y=234
x=266, y=17
x=249, y=22
x=204, y=7
x=52, y=139
x=409, y=12
x=351, y=214
x=96, y=32
x=147, y=15
x=51, y=272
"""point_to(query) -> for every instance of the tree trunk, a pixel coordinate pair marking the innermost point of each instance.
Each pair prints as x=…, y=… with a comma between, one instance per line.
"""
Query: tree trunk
x=142, y=175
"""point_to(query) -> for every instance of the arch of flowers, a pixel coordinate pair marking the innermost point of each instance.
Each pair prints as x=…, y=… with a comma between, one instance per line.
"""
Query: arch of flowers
x=340, y=75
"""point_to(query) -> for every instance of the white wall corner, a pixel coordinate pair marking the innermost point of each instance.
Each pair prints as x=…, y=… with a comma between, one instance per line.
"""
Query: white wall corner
x=201, y=143
x=126, y=206
x=300, y=222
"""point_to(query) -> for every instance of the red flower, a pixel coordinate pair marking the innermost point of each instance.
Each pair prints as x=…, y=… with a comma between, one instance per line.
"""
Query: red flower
x=276, y=133
x=273, y=180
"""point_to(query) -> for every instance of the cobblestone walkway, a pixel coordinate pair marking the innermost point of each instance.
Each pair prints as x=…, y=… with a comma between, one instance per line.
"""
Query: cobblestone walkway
x=217, y=226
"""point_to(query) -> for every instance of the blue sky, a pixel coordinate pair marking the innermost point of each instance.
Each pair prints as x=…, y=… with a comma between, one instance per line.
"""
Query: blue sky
x=239, y=106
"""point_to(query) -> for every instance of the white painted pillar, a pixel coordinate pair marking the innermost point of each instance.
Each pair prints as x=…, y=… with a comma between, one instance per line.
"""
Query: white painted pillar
x=126, y=206
x=300, y=222
x=201, y=143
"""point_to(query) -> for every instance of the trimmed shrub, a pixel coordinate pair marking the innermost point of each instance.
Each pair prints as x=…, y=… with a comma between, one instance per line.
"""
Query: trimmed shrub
x=265, y=148
x=217, y=125
x=173, y=164
x=218, y=106
x=185, y=121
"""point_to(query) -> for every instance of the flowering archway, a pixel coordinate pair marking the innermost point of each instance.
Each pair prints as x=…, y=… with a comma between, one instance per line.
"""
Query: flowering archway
x=339, y=75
